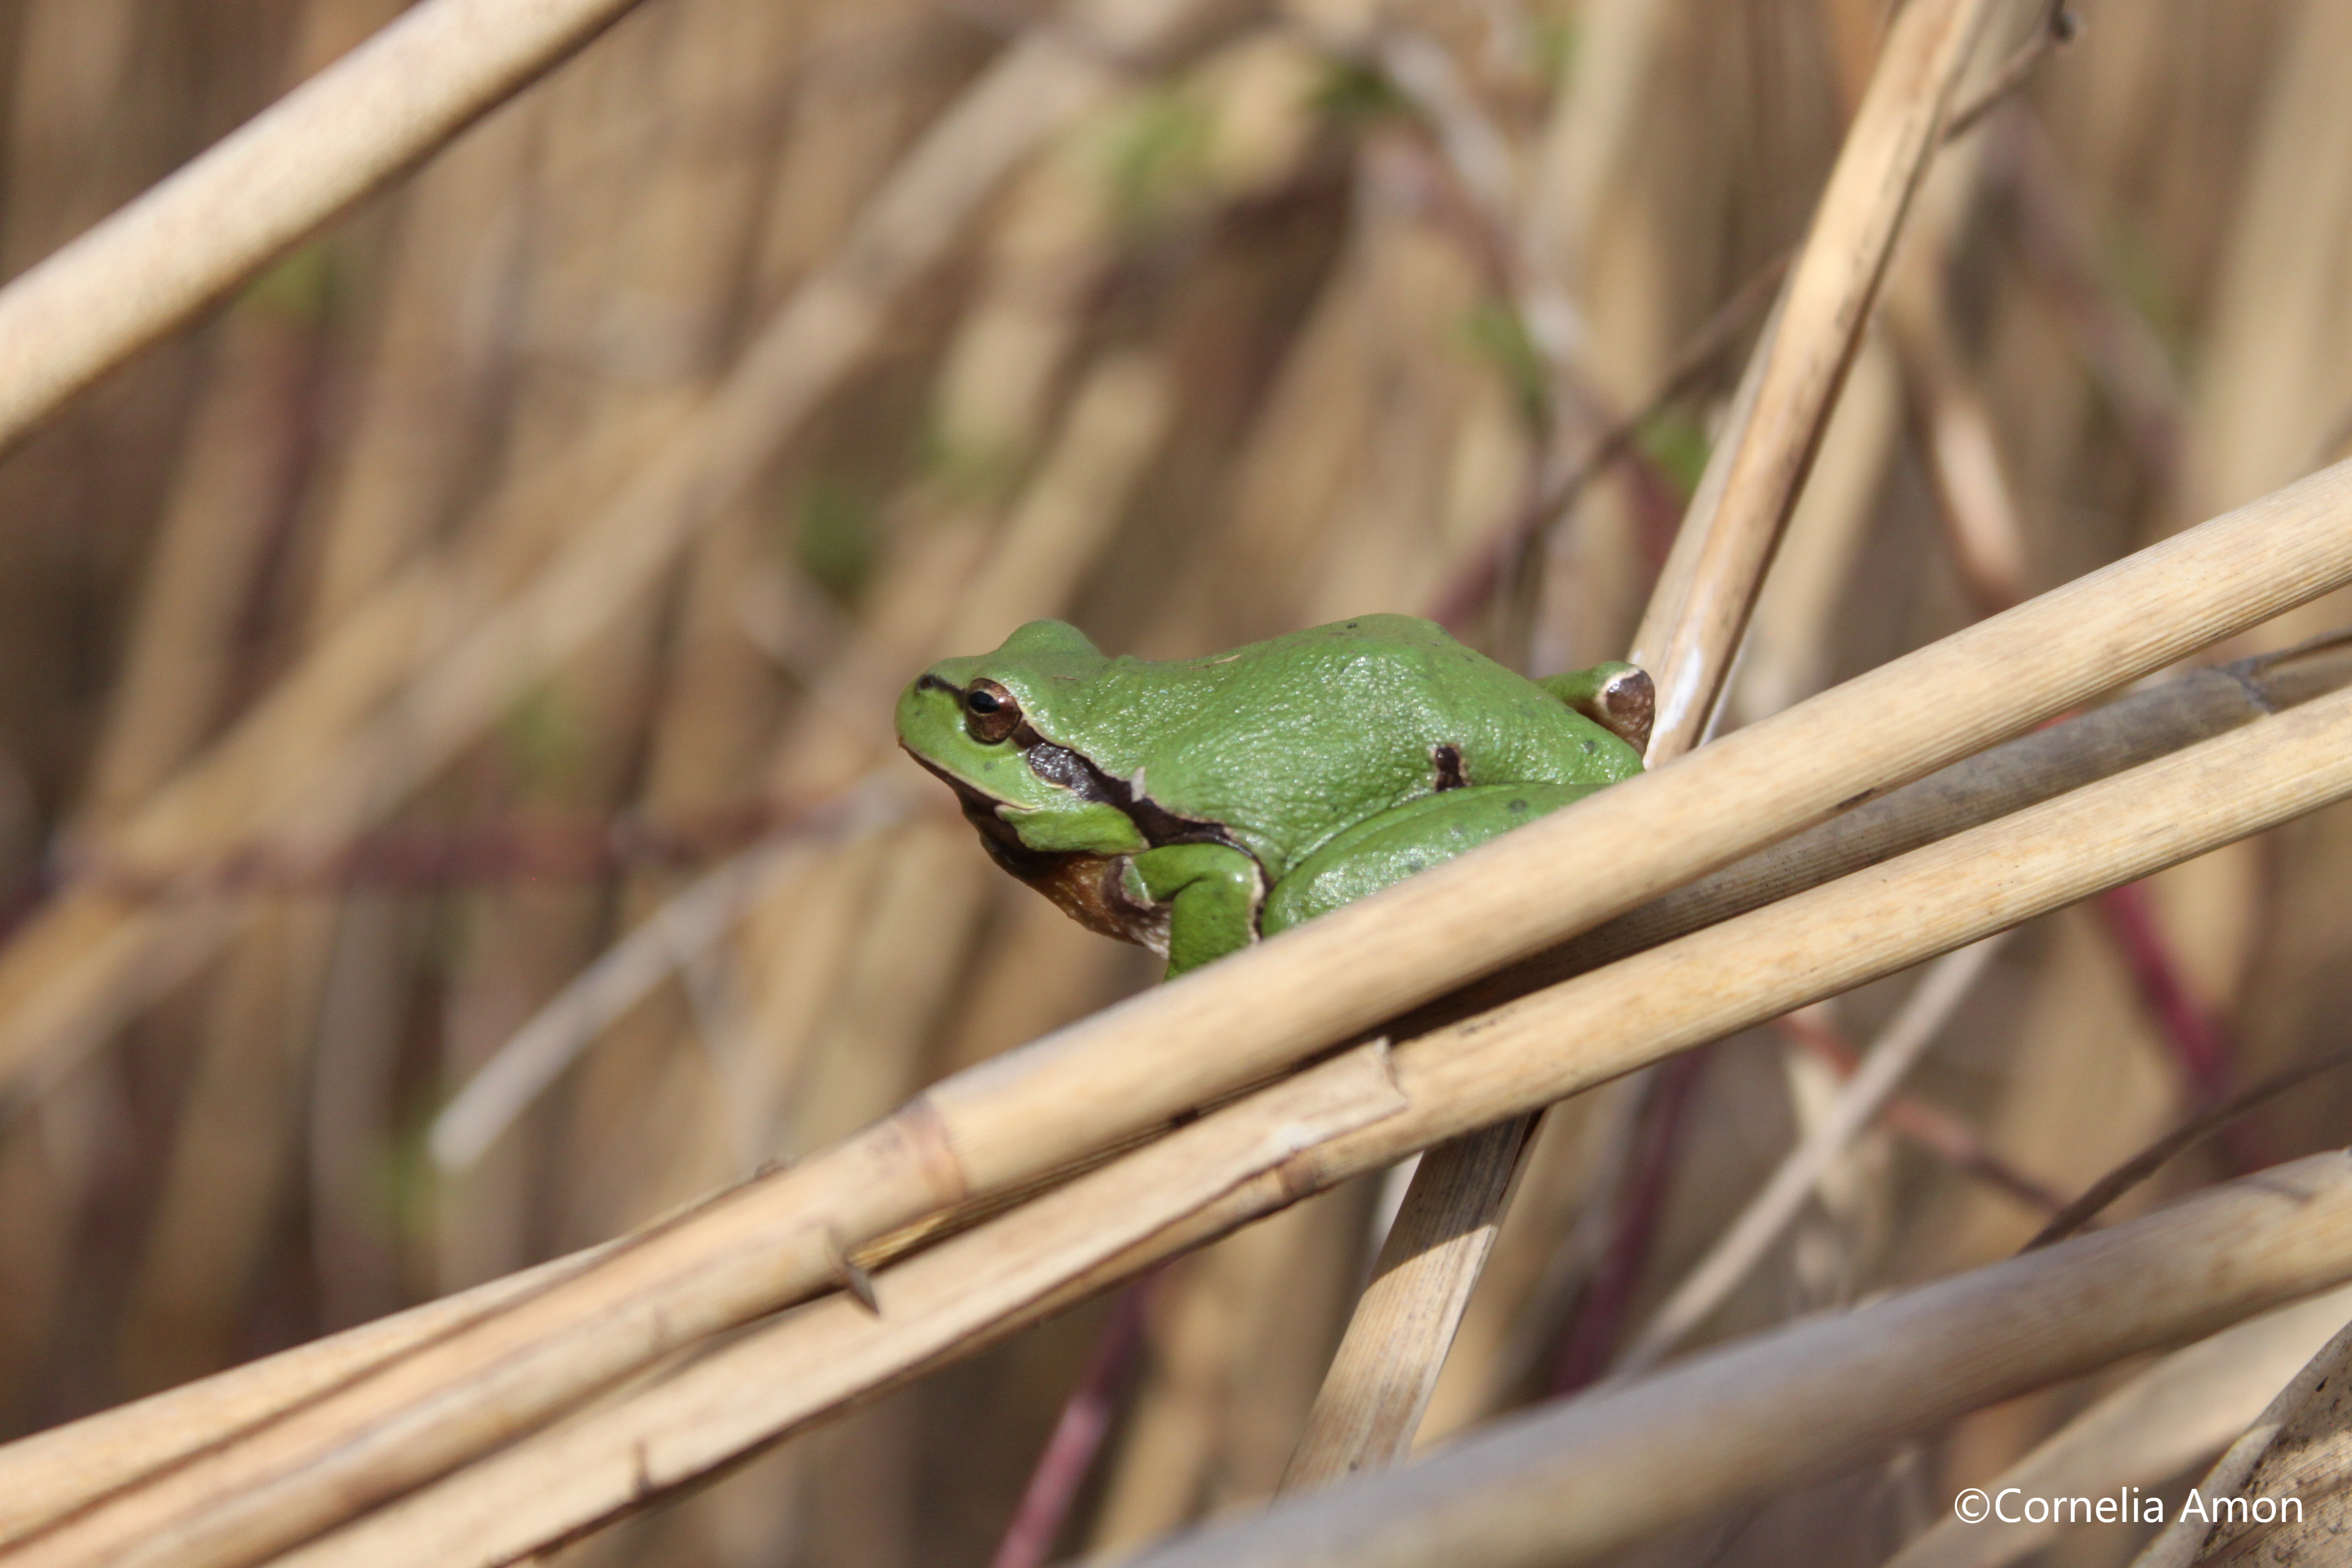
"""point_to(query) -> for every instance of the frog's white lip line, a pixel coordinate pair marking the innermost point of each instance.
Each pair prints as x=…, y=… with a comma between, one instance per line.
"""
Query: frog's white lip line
x=964, y=788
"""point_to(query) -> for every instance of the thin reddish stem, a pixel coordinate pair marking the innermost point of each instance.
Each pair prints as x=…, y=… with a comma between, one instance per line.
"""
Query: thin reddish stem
x=2199, y=1041
x=1070, y=1453
x=1601, y=1318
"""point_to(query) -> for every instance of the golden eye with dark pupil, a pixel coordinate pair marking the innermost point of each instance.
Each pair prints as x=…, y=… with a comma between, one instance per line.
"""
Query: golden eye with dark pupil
x=990, y=712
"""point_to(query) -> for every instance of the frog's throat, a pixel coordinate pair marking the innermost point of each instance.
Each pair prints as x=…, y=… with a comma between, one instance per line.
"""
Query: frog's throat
x=1089, y=888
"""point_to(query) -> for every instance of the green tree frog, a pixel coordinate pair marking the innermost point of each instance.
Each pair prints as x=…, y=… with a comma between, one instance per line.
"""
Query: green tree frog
x=1196, y=805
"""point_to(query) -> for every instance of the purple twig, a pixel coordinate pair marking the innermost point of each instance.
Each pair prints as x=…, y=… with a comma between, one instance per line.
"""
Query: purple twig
x=1070, y=1453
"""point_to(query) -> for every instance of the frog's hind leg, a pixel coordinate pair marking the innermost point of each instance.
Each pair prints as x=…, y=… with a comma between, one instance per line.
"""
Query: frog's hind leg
x=1620, y=697
x=1395, y=843
x=1213, y=892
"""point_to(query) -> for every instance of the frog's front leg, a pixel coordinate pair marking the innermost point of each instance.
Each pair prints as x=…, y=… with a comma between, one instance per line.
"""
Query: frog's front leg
x=1211, y=891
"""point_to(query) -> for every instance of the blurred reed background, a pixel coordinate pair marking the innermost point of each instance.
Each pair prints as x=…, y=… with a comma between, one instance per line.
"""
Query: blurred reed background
x=1324, y=313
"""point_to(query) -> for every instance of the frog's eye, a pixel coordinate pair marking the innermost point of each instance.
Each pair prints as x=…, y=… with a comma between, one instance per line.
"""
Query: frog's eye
x=990, y=712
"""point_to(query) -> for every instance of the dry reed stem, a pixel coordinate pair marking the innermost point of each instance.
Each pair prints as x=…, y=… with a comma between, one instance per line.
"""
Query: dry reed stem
x=1828, y=297
x=781, y=1237
x=2178, y=1412
x=1479, y=1072
x=199, y=234
x=836, y=1350
x=1588, y=1477
x=87, y=964
x=1381, y=1379
x=50, y=1473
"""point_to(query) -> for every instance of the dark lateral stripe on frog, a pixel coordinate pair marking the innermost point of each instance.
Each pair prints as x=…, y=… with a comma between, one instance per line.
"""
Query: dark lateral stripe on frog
x=1060, y=766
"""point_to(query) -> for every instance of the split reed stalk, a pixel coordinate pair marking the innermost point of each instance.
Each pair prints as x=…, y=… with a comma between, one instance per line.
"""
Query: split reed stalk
x=2180, y=1412
x=2309, y=1458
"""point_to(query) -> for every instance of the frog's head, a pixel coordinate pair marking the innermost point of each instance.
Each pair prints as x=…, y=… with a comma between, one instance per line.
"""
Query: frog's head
x=972, y=723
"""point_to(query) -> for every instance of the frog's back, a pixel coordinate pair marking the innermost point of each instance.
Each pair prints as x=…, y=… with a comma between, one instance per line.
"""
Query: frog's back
x=1289, y=742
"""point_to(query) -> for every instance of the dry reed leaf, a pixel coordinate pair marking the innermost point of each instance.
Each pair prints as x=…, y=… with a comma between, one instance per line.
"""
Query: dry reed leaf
x=2177, y=1412
x=2293, y=1446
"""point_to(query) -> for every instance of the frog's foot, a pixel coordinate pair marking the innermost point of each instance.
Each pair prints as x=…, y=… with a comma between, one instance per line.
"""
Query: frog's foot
x=1391, y=846
x=1212, y=893
x=1620, y=697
